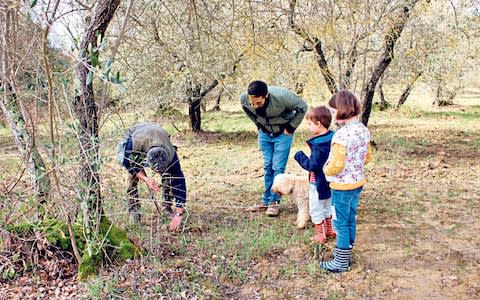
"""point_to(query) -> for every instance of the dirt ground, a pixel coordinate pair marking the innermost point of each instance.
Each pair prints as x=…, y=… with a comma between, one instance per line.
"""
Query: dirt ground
x=418, y=224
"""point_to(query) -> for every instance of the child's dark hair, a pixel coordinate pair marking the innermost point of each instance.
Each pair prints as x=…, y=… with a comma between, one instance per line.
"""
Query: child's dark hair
x=346, y=104
x=320, y=114
x=257, y=88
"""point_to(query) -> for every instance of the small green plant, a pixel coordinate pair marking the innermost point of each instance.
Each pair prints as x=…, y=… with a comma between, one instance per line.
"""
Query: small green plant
x=313, y=269
x=102, y=288
x=234, y=271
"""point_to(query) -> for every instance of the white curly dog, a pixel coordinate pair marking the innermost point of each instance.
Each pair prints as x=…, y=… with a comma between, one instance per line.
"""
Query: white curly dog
x=298, y=187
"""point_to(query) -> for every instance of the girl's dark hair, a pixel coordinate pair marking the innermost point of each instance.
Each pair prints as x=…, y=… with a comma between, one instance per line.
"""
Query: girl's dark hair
x=320, y=114
x=346, y=104
x=257, y=88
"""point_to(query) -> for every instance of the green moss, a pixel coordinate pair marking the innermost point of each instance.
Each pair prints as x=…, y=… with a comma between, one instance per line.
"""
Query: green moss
x=118, y=246
x=122, y=246
x=55, y=231
x=89, y=265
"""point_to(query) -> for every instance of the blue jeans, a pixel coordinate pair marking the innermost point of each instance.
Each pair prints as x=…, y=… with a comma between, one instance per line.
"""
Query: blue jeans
x=275, y=152
x=345, y=221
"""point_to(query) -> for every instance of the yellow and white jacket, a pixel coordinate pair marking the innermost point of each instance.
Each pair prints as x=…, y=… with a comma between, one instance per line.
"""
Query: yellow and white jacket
x=350, y=151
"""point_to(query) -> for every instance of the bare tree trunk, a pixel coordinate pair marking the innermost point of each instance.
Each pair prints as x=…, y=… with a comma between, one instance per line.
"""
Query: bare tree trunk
x=194, y=99
x=383, y=102
x=25, y=142
x=438, y=95
x=406, y=92
x=391, y=37
x=12, y=109
x=86, y=111
x=195, y=113
x=317, y=44
x=217, y=102
x=196, y=93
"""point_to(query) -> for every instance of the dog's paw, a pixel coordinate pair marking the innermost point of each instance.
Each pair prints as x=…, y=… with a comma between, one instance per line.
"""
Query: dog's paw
x=301, y=225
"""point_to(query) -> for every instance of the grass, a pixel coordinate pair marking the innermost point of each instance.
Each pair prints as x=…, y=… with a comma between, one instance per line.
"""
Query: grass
x=226, y=252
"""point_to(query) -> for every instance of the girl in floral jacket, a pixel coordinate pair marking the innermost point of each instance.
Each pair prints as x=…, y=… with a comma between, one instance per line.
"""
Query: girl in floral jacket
x=345, y=171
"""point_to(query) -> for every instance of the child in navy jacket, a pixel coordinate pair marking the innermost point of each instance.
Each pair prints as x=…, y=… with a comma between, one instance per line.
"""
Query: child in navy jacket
x=318, y=119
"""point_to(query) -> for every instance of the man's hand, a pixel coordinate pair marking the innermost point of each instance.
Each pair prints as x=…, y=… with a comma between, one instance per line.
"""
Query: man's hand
x=152, y=184
x=175, y=224
x=286, y=132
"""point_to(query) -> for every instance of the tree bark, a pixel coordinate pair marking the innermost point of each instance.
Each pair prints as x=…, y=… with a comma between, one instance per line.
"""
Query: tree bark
x=391, y=37
x=195, y=94
x=383, y=102
x=438, y=95
x=25, y=142
x=86, y=111
x=406, y=92
x=217, y=102
x=195, y=113
x=317, y=45
x=194, y=99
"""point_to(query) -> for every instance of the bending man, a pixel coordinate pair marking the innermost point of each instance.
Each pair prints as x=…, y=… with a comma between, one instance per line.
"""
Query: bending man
x=149, y=145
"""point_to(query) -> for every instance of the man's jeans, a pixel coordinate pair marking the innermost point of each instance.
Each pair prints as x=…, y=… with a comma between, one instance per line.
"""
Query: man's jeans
x=345, y=220
x=275, y=152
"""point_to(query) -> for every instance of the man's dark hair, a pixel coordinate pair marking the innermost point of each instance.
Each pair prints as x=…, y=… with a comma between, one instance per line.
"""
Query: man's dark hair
x=320, y=114
x=346, y=104
x=257, y=88
x=157, y=159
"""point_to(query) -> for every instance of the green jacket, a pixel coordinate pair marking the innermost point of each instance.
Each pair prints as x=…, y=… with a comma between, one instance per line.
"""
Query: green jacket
x=285, y=110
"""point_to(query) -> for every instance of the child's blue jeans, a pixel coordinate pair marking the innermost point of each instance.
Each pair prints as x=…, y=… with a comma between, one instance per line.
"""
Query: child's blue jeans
x=345, y=220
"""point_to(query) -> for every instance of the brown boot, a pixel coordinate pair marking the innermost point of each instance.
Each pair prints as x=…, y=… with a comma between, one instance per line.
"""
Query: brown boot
x=258, y=207
x=273, y=209
x=319, y=236
x=329, y=232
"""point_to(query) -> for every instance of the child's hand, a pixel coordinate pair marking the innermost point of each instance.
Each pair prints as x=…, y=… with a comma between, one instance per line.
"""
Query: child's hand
x=298, y=155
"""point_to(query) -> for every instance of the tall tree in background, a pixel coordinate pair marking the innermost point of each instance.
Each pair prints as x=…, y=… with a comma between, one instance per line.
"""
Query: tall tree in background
x=357, y=27
x=190, y=49
x=391, y=36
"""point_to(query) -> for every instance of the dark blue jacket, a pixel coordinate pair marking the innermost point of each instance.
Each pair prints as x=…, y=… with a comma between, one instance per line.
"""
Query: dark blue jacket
x=320, y=148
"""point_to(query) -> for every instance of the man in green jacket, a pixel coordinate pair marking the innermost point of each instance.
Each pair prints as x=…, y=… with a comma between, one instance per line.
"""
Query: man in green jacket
x=277, y=112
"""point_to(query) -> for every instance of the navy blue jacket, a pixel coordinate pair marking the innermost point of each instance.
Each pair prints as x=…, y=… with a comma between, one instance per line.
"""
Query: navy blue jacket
x=320, y=148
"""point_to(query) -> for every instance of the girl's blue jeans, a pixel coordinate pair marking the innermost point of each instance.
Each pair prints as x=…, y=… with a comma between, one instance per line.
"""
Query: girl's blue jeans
x=275, y=152
x=345, y=220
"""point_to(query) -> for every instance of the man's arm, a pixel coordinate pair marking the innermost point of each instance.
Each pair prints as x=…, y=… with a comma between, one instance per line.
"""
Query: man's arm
x=246, y=109
x=179, y=189
x=294, y=102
